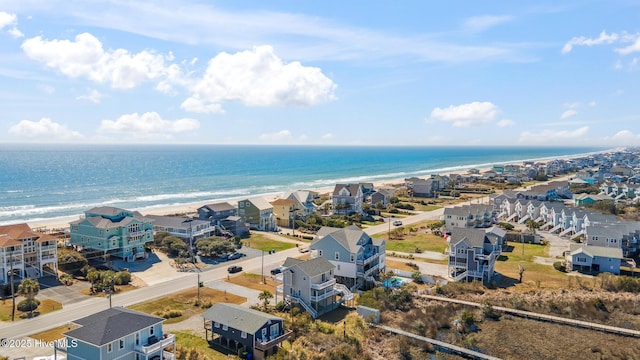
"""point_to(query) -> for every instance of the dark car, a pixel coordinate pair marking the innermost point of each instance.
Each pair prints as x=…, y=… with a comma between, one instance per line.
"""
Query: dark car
x=235, y=256
x=234, y=269
x=277, y=270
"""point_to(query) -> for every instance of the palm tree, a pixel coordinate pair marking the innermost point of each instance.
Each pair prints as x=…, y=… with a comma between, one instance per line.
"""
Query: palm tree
x=265, y=296
x=532, y=225
x=92, y=276
x=29, y=288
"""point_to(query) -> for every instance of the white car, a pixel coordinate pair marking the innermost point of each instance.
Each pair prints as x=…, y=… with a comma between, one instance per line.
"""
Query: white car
x=397, y=223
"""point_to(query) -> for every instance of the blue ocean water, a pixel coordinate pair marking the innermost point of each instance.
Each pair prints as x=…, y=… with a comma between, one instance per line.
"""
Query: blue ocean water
x=39, y=182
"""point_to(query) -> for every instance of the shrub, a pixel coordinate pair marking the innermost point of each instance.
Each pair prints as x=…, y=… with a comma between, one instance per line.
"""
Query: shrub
x=467, y=317
x=599, y=304
x=28, y=305
x=560, y=266
x=66, y=279
x=325, y=328
x=281, y=305
x=122, y=278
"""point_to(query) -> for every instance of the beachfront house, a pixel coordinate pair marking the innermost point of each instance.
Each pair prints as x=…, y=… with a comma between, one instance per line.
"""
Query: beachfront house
x=117, y=333
x=243, y=330
x=473, y=253
x=357, y=257
x=303, y=200
x=285, y=211
x=216, y=211
x=258, y=213
x=311, y=285
x=381, y=198
x=347, y=199
x=593, y=259
x=469, y=216
x=187, y=229
x=113, y=231
x=26, y=253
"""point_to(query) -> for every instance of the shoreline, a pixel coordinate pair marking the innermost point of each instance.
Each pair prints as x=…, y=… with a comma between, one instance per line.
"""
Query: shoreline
x=62, y=222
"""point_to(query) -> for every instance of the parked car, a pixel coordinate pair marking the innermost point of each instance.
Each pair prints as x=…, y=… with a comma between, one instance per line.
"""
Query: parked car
x=277, y=270
x=235, y=256
x=397, y=223
x=234, y=269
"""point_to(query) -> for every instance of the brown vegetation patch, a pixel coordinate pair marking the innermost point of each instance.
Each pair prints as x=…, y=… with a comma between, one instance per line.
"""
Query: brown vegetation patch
x=254, y=281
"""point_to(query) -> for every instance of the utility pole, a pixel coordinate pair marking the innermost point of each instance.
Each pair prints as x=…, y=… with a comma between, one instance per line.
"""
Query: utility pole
x=262, y=269
x=13, y=295
x=198, y=287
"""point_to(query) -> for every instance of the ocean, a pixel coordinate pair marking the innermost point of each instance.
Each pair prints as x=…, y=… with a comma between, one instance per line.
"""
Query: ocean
x=45, y=182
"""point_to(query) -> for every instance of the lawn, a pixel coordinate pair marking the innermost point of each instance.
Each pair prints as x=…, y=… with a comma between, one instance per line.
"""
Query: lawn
x=185, y=303
x=544, y=275
x=261, y=242
x=399, y=265
x=52, y=334
x=46, y=306
x=189, y=342
x=253, y=281
x=413, y=241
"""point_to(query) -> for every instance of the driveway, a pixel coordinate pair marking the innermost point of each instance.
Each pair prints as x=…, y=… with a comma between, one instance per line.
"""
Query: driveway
x=51, y=288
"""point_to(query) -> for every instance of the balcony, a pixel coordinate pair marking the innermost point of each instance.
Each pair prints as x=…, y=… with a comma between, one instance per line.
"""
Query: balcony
x=264, y=346
x=323, y=285
x=323, y=296
x=48, y=248
x=372, y=270
x=367, y=260
x=167, y=340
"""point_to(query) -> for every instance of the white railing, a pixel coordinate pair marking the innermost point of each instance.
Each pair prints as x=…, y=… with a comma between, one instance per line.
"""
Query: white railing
x=167, y=340
x=321, y=297
x=323, y=285
x=460, y=277
x=298, y=300
x=347, y=295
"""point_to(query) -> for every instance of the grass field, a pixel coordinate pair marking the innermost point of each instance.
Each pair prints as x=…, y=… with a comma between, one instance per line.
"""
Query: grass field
x=544, y=275
x=253, y=281
x=185, y=301
x=261, y=242
x=46, y=306
x=399, y=265
x=190, y=342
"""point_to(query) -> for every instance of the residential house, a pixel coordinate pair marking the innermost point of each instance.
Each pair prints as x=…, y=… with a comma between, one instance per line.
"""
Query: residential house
x=358, y=259
x=311, y=285
x=473, y=253
x=589, y=199
x=593, y=259
x=469, y=216
x=347, y=199
x=117, y=333
x=26, y=252
x=367, y=188
x=303, y=200
x=113, y=231
x=258, y=213
x=187, y=229
x=285, y=211
x=381, y=197
x=244, y=330
x=224, y=217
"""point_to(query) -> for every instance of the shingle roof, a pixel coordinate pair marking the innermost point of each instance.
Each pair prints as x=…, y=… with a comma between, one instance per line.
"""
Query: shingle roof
x=352, y=188
x=347, y=237
x=176, y=222
x=106, y=210
x=17, y=232
x=260, y=203
x=108, y=325
x=609, y=252
x=315, y=267
x=221, y=206
x=238, y=317
x=476, y=237
x=284, y=202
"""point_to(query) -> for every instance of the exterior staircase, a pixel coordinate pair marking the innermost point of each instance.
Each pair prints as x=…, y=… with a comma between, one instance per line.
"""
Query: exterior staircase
x=565, y=232
x=524, y=218
x=347, y=295
x=307, y=307
x=555, y=228
x=513, y=216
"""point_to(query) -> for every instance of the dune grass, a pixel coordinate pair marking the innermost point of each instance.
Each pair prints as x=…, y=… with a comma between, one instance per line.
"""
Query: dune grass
x=261, y=242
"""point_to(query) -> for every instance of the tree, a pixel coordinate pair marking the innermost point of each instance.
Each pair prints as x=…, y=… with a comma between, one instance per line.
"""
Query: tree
x=265, y=296
x=521, y=270
x=93, y=275
x=417, y=276
x=532, y=225
x=29, y=288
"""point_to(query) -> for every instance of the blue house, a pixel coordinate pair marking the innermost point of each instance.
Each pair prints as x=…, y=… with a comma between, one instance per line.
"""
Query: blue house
x=117, y=333
x=113, y=231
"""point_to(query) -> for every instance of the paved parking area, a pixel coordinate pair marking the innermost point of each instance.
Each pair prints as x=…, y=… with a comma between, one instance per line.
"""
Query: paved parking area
x=51, y=288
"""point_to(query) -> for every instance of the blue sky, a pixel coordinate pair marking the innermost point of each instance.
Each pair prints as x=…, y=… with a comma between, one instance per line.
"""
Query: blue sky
x=320, y=73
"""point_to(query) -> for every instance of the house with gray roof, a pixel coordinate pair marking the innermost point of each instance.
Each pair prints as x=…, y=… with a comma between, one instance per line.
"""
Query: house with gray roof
x=473, y=253
x=224, y=218
x=258, y=213
x=113, y=231
x=117, y=333
x=311, y=285
x=469, y=216
x=216, y=211
x=347, y=199
x=593, y=259
x=358, y=259
x=183, y=228
x=244, y=330
x=303, y=200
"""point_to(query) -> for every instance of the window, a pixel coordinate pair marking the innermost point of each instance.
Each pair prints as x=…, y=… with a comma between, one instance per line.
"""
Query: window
x=319, y=252
x=338, y=266
x=137, y=338
x=225, y=327
x=109, y=347
x=121, y=344
x=274, y=330
x=151, y=330
x=243, y=335
x=216, y=324
x=353, y=258
x=337, y=255
x=264, y=333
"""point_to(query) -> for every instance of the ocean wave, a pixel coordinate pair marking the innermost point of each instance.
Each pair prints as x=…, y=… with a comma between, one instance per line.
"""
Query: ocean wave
x=13, y=191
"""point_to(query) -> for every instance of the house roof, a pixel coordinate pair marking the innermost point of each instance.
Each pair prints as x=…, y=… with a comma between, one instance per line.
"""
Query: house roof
x=106, y=210
x=347, y=237
x=314, y=267
x=176, y=222
x=260, y=203
x=6, y=241
x=238, y=317
x=476, y=237
x=352, y=188
x=608, y=252
x=18, y=232
x=108, y=325
x=291, y=261
x=284, y=202
x=221, y=206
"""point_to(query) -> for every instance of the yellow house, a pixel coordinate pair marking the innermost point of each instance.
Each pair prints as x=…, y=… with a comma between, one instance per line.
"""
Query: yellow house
x=284, y=210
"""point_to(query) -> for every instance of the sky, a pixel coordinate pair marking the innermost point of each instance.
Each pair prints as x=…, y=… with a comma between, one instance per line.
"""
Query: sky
x=423, y=73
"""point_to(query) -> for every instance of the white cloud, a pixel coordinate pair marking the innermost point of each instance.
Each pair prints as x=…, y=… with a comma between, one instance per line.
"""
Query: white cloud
x=604, y=38
x=45, y=129
x=551, y=137
x=635, y=47
x=505, y=123
x=568, y=113
x=278, y=137
x=327, y=136
x=86, y=58
x=6, y=20
x=466, y=115
x=258, y=78
x=93, y=95
x=624, y=138
x=482, y=23
x=149, y=123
